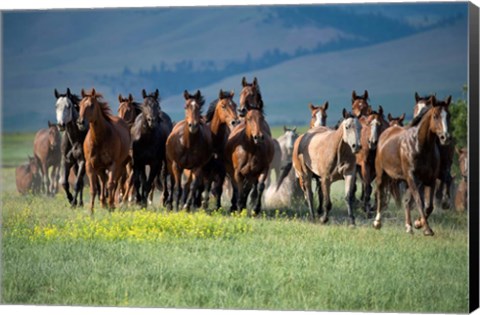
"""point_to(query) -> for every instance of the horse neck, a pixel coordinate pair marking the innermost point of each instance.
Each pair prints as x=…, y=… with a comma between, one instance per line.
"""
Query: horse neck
x=98, y=128
x=190, y=139
x=219, y=131
x=425, y=137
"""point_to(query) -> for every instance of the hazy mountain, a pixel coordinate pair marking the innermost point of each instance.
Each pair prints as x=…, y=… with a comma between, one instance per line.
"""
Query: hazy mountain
x=299, y=54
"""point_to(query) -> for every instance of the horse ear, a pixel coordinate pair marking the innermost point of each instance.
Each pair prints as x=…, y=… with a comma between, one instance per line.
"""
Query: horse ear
x=401, y=118
x=255, y=81
x=69, y=93
x=345, y=113
x=198, y=95
x=312, y=107
x=83, y=93
x=380, y=110
x=186, y=95
x=325, y=106
x=448, y=100
x=130, y=97
x=294, y=129
x=93, y=92
x=157, y=94
x=433, y=100
x=244, y=82
x=232, y=93
x=50, y=124
x=354, y=95
x=120, y=98
x=144, y=93
x=389, y=117
x=417, y=97
x=285, y=128
x=56, y=94
x=365, y=95
x=369, y=110
x=220, y=94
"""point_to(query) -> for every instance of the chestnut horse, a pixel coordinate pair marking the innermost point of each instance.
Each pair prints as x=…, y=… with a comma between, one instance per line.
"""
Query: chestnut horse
x=395, y=121
x=330, y=155
x=360, y=104
x=251, y=97
x=444, y=181
x=189, y=146
x=461, y=196
x=249, y=153
x=411, y=154
x=73, y=159
x=27, y=177
x=106, y=146
x=47, y=152
x=319, y=115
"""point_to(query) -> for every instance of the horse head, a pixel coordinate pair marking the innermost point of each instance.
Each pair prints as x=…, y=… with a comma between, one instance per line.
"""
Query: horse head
x=440, y=120
x=351, y=131
x=359, y=104
x=290, y=135
x=422, y=103
x=53, y=135
x=193, y=106
x=226, y=109
x=66, y=108
x=32, y=165
x=319, y=115
x=395, y=121
x=249, y=96
x=128, y=110
x=89, y=109
x=463, y=161
x=254, y=122
x=151, y=108
x=374, y=122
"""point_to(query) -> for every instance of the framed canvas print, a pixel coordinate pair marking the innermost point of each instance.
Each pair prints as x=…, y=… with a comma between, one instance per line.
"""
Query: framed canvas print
x=240, y=158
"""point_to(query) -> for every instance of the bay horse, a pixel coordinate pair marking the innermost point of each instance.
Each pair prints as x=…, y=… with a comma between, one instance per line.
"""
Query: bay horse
x=148, y=146
x=461, y=196
x=47, y=152
x=395, y=121
x=359, y=104
x=319, y=115
x=106, y=147
x=128, y=109
x=251, y=97
x=373, y=124
x=444, y=181
x=249, y=153
x=189, y=146
x=27, y=177
x=329, y=155
x=412, y=155
x=73, y=158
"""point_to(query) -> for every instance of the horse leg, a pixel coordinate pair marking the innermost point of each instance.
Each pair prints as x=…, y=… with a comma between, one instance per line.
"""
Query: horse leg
x=408, y=204
x=306, y=184
x=243, y=194
x=415, y=191
x=381, y=182
x=326, y=195
x=446, y=198
x=195, y=178
x=208, y=183
x=79, y=182
x=428, y=197
x=65, y=171
x=349, y=195
x=218, y=189
x=367, y=187
x=103, y=184
x=92, y=177
x=177, y=188
x=150, y=187
x=254, y=195
x=261, y=188
x=320, y=196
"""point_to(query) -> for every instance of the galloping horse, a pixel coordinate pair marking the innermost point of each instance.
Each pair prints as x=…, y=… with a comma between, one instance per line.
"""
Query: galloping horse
x=67, y=108
x=128, y=109
x=395, y=121
x=442, y=189
x=411, y=154
x=46, y=150
x=106, y=146
x=249, y=152
x=148, y=145
x=330, y=155
x=189, y=146
x=319, y=115
x=461, y=196
x=360, y=104
x=372, y=126
x=27, y=177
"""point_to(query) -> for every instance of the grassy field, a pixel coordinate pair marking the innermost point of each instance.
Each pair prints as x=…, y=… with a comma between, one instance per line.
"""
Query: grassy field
x=54, y=255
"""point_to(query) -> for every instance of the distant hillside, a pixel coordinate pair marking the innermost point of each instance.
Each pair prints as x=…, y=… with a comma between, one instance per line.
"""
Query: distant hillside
x=290, y=48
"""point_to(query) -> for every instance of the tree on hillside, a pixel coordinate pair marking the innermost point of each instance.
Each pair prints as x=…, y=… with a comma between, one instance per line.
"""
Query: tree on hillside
x=459, y=120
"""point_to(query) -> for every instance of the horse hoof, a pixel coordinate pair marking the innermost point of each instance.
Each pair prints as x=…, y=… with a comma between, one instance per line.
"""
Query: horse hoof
x=409, y=229
x=323, y=220
x=418, y=224
x=377, y=224
x=428, y=232
x=445, y=205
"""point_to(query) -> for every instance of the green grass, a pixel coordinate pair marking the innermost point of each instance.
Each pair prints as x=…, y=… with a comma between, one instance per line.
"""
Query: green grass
x=278, y=261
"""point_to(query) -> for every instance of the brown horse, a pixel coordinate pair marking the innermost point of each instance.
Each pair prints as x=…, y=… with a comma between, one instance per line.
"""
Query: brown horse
x=106, y=146
x=444, y=181
x=47, y=152
x=249, y=153
x=329, y=155
x=411, y=154
x=251, y=97
x=319, y=115
x=395, y=121
x=372, y=126
x=189, y=146
x=27, y=177
x=360, y=104
x=461, y=196
x=128, y=109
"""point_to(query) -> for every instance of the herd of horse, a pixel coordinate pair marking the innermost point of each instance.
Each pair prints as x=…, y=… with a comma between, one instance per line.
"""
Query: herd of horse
x=230, y=151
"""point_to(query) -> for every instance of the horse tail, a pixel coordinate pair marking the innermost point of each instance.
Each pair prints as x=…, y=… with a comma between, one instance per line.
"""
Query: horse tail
x=285, y=170
x=394, y=187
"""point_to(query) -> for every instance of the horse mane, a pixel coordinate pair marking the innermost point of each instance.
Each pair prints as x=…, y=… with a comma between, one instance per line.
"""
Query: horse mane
x=416, y=120
x=104, y=108
x=259, y=109
x=211, y=110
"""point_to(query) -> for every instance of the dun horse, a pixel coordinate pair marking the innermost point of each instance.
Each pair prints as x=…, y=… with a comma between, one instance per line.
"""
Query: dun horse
x=106, y=146
x=411, y=154
x=249, y=152
x=46, y=150
x=330, y=155
x=27, y=177
x=67, y=108
x=189, y=146
x=360, y=104
x=461, y=196
x=319, y=115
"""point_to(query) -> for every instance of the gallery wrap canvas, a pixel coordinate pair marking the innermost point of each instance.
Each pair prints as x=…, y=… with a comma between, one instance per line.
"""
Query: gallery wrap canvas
x=297, y=225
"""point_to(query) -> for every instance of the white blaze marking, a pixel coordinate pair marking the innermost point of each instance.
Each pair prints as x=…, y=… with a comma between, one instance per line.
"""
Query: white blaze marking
x=420, y=105
x=444, y=121
x=318, y=121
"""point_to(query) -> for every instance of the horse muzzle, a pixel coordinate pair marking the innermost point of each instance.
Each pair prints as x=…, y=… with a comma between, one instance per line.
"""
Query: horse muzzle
x=258, y=139
x=445, y=138
x=356, y=148
x=81, y=124
x=372, y=145
x=61, y=126
x=242, y=112
x=192, y=128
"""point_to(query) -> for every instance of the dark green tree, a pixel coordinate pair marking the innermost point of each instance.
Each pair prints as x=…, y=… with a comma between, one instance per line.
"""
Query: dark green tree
x=459, y=120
